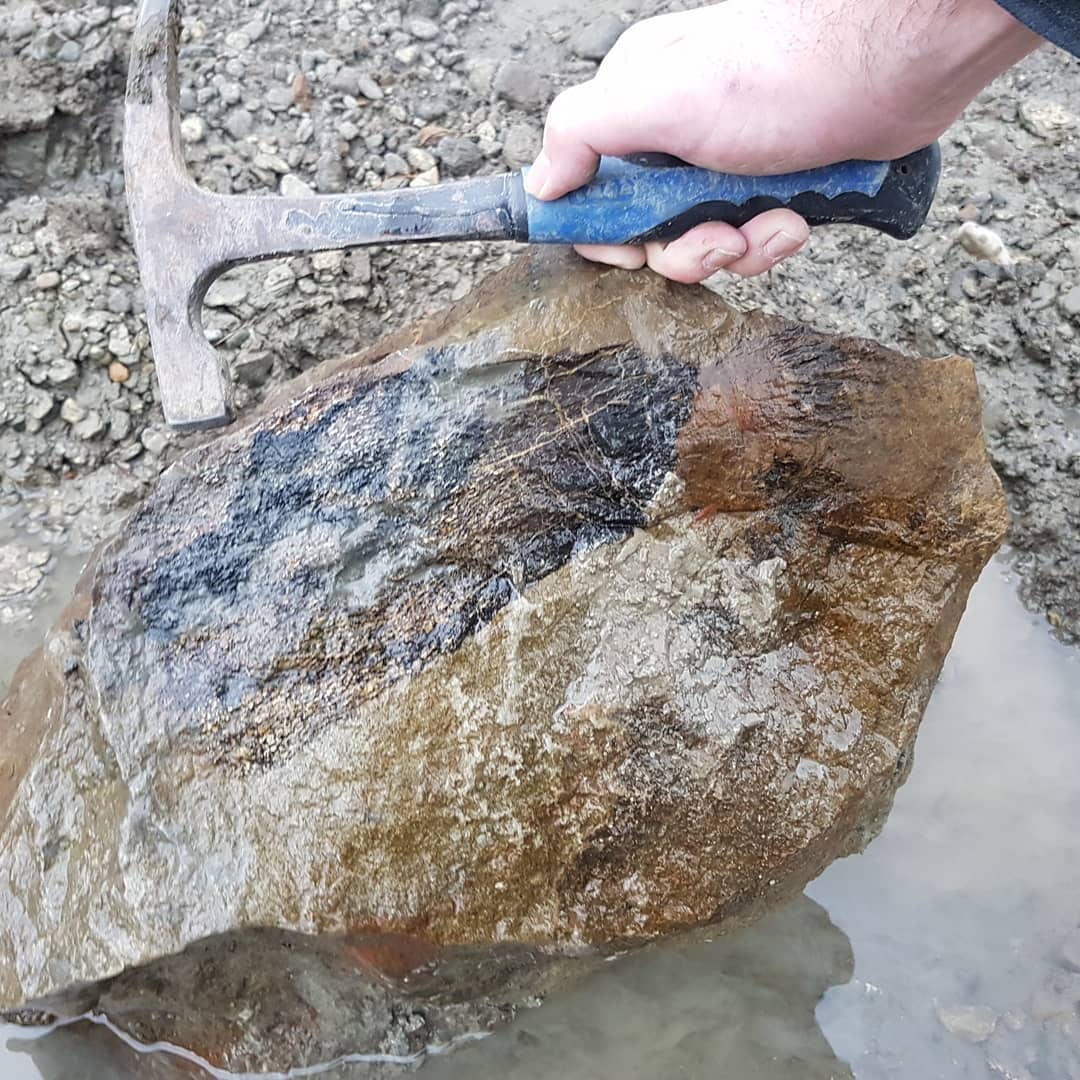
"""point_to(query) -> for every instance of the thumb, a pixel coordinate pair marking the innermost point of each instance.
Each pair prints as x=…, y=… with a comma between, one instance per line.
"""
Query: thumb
x=582, y=124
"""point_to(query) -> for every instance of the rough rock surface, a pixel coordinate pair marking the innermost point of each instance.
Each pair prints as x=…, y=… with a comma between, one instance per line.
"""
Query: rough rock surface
x=261, y=1000
x=592, y=610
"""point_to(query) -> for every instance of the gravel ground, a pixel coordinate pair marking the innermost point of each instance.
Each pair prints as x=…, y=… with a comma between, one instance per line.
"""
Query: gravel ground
x=339, y=94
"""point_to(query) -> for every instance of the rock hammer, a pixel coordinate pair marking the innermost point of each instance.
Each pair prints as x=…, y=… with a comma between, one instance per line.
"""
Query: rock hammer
x=185, y=236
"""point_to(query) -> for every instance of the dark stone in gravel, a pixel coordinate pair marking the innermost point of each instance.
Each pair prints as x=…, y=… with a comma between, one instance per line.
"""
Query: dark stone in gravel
x=239, y=123
x=330, y=173
x=459, y=157
x=520, y=85
x=594, y=42
x=432, y=108
x=520, y=145
x=346, y=81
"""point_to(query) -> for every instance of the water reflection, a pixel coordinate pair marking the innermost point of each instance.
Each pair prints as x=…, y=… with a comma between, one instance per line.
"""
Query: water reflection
x=968, y=898
x=970, y=892
x=740, y=1006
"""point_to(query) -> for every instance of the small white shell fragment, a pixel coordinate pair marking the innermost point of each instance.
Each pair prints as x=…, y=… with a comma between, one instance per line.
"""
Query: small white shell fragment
x=983, y=243
x=192, y=129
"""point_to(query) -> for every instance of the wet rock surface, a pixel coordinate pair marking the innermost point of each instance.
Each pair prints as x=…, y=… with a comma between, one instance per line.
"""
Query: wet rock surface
x=661, y=588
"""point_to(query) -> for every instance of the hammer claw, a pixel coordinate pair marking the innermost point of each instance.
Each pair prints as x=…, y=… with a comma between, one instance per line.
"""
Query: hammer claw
x=184, y=236
x=195, y=387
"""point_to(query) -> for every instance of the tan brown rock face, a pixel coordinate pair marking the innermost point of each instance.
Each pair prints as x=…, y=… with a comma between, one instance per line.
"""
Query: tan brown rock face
x=592, y=610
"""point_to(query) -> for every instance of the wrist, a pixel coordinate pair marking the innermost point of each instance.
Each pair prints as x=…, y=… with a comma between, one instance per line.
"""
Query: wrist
x=976, y=41
x=950, y=50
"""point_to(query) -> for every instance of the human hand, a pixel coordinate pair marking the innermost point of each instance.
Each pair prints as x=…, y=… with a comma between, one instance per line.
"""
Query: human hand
x=771, y=86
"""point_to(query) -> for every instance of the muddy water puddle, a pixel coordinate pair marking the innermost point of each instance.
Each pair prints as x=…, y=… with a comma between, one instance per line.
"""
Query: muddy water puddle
x=942, y=951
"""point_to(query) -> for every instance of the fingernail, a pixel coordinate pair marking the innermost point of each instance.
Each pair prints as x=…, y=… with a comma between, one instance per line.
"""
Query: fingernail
x=718, y=258
x=536, y=179
x=782, y=244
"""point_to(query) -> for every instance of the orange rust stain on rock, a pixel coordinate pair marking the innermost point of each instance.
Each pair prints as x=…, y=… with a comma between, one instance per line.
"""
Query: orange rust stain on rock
x=393, y=955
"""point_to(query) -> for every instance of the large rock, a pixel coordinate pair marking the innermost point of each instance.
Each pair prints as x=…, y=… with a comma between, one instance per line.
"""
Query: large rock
x=587, y=612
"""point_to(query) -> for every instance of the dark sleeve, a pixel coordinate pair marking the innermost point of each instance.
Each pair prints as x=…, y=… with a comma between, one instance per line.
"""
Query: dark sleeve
x=1056, y=20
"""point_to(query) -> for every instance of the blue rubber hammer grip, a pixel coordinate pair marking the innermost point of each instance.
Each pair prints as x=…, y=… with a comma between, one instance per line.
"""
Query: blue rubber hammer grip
x=655, y=198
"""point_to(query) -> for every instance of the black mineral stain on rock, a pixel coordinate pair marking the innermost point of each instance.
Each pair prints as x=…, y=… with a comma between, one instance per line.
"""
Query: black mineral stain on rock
x=373, y=533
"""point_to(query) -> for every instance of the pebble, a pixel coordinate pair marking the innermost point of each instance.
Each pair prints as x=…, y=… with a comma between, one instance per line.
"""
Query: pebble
x=279, y=280
x=369, y=88
x=71, y=412
x=270, y=163
x=62, y=373
x=253, y=369
x=120, y=341
x=432, y=107
x=119, y=373
x=521, y=144
x=90, y=426
x=973, y=1023
x=239, y=124
x=428, y=178
x=459, y=157
x=226, y=292
x=1046, y=120
x=983, y=243
x=358, y=265
x=49, y=279
x=481, y=75
x=292, y=187
x=407, y=55
x=12, y=270
x=280, y=98
x=155, y=442
x=419, y=159
x=422, y=29
x=395, y=164
x=346, y=81
x=39, y=403
x=69, y=52
x=328, y=262
x=330, y=173
x=47, y=43
x=119, y=425
x=594, y=42
x=520, y=85
x=1070, y=307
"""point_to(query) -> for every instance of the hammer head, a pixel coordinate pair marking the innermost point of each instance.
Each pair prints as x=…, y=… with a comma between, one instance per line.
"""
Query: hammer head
x=175, y=229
